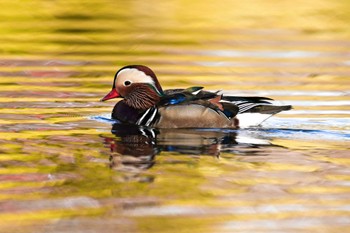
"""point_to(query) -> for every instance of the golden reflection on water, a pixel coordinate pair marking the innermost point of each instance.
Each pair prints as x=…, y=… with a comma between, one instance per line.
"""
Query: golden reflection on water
x=63, y=170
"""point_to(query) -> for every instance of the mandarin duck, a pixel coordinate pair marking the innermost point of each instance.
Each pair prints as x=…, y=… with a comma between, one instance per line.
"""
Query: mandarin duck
x=145, y=103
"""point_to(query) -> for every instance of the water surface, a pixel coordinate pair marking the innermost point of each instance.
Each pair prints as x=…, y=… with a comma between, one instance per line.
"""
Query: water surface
x=65, y=167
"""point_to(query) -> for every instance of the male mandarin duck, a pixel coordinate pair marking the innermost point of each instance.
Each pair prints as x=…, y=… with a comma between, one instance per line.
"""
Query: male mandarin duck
x=145, y=103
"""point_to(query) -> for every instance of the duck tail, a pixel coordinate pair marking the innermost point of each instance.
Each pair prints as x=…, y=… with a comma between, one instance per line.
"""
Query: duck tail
x=270, y=109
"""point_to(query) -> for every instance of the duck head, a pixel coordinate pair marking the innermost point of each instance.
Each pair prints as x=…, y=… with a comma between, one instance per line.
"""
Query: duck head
x=137, y=85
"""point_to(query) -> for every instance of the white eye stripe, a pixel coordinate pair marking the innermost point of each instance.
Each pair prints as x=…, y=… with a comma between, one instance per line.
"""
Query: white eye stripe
x=134, y=76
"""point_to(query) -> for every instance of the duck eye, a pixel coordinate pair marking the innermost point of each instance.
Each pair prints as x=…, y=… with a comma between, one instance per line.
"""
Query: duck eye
x=127, y=83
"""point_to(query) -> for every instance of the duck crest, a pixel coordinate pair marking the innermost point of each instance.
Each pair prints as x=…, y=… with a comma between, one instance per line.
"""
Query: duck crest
x=146, y=71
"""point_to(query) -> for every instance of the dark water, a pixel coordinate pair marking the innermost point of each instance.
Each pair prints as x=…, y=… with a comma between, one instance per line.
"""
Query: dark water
x=65, y=167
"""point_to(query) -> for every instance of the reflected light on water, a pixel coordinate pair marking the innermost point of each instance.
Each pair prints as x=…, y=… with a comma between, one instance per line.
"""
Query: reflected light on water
x=65, y=166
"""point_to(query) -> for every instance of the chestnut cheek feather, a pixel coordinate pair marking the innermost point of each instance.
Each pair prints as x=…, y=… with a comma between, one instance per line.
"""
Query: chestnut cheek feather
x=141, y=97
x=123, y=91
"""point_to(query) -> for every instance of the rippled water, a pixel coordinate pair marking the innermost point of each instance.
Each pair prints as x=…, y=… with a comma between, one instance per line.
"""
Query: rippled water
x=64, y=166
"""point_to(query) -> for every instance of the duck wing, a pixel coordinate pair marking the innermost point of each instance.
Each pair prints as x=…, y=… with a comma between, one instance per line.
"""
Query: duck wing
x=195, y=95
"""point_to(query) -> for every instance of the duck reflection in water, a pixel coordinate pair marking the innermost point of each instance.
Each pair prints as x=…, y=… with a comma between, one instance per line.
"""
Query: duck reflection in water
x=134, y=148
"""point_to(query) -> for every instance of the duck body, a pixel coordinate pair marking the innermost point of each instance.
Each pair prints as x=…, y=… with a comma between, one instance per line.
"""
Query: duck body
x=146, y=104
